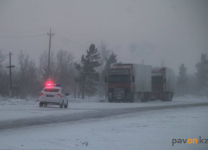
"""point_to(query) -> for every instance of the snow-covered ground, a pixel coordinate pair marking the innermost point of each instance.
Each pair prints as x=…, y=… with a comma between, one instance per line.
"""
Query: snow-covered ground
x=152, y=129
x=13, y=109
x=148, y=130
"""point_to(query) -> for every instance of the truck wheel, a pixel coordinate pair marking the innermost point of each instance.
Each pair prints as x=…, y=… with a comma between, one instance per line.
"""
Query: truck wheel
x=110, y=100
x=170, y=97
x=144, y=100
x=133, y=98
x=166, y=98
x=145, y=97
x=163, y=100
x=141, y=97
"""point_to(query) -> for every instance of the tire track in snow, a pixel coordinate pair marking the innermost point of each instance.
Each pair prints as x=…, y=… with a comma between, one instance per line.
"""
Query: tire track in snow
x=84, y=116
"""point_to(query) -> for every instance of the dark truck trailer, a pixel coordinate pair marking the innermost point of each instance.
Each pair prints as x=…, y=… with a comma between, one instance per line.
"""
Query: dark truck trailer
x=129, y=82
x=162, y=84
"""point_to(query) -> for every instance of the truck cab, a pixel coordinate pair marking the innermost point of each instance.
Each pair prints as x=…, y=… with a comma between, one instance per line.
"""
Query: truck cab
x=162, y=84
x=120, y=83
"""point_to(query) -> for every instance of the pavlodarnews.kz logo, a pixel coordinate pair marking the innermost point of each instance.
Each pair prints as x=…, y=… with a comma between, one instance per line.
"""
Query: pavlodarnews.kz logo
x=189, y=141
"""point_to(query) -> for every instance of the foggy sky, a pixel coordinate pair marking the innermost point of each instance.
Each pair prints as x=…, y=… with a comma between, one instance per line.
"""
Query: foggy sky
x=168, y=32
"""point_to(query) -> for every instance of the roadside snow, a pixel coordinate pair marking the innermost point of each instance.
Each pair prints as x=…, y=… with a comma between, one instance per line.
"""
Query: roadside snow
x=149, y=130
x=13, y=109
x=34, y=101
x=16, y=101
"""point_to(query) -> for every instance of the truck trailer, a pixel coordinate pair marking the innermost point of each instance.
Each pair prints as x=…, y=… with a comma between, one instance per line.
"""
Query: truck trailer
x=129, y=82
x=162, y=84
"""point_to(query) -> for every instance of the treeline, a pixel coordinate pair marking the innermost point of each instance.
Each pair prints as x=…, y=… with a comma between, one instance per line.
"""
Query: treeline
x=79, y=78
x=196, y=84
x=85, y=77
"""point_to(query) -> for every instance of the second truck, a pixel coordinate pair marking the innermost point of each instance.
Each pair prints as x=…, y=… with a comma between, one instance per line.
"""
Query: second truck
x=162, y=84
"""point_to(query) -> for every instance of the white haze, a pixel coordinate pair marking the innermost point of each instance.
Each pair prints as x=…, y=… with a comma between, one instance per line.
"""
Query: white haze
x=157, y=32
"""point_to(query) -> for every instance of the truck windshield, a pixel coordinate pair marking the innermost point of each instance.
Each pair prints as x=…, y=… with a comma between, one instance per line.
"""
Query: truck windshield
x=157, y=80
x=119, y=79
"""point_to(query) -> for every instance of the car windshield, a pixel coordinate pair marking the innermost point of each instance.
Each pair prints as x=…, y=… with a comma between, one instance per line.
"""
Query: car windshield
x=51, y=90
x=157, y=80
x=119, y=79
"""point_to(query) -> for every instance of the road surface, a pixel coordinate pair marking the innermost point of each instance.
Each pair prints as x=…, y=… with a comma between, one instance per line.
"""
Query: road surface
x=18, y=116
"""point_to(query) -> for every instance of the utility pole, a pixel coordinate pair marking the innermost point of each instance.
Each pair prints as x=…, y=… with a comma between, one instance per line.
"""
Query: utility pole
x=49, y=52
x=10, y=74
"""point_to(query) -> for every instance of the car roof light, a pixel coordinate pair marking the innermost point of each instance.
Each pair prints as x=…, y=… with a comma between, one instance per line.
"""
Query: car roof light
x=58, y=85
x=49, y=83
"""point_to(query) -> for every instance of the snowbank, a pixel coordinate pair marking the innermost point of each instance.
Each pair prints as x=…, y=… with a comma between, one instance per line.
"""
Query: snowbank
x=94, y=99
x=17, y=101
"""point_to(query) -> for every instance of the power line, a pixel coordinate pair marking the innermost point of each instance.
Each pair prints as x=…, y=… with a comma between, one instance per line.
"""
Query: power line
x=71, y=33
x=70, y=41
x=28, y=31
x=18, y=36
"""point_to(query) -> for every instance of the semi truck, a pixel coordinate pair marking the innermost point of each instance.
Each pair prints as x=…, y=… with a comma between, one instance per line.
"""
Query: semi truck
x=129, y=82
x=162, y=84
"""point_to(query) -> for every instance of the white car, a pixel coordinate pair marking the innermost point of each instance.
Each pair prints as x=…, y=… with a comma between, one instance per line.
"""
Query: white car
x=54, y=96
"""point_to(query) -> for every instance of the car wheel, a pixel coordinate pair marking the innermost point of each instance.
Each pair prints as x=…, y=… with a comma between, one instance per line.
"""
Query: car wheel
x=62, y=104
x=66, y=106
x=40, y=104
x=45, y=104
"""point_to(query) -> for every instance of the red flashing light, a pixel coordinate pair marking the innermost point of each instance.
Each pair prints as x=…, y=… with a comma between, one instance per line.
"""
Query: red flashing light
x=58, y=95
x=41, y=94
x=49, y=83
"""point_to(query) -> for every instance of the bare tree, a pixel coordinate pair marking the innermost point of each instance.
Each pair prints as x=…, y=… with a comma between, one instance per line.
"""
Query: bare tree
x=27, y=82
x=3, y=76
x=65, y=71
x=2, y=58
x=43, y=66
x=104, y=53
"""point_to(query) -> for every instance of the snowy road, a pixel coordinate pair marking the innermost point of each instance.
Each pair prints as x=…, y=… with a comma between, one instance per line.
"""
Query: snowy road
x=15, y=116
x=139, y=126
